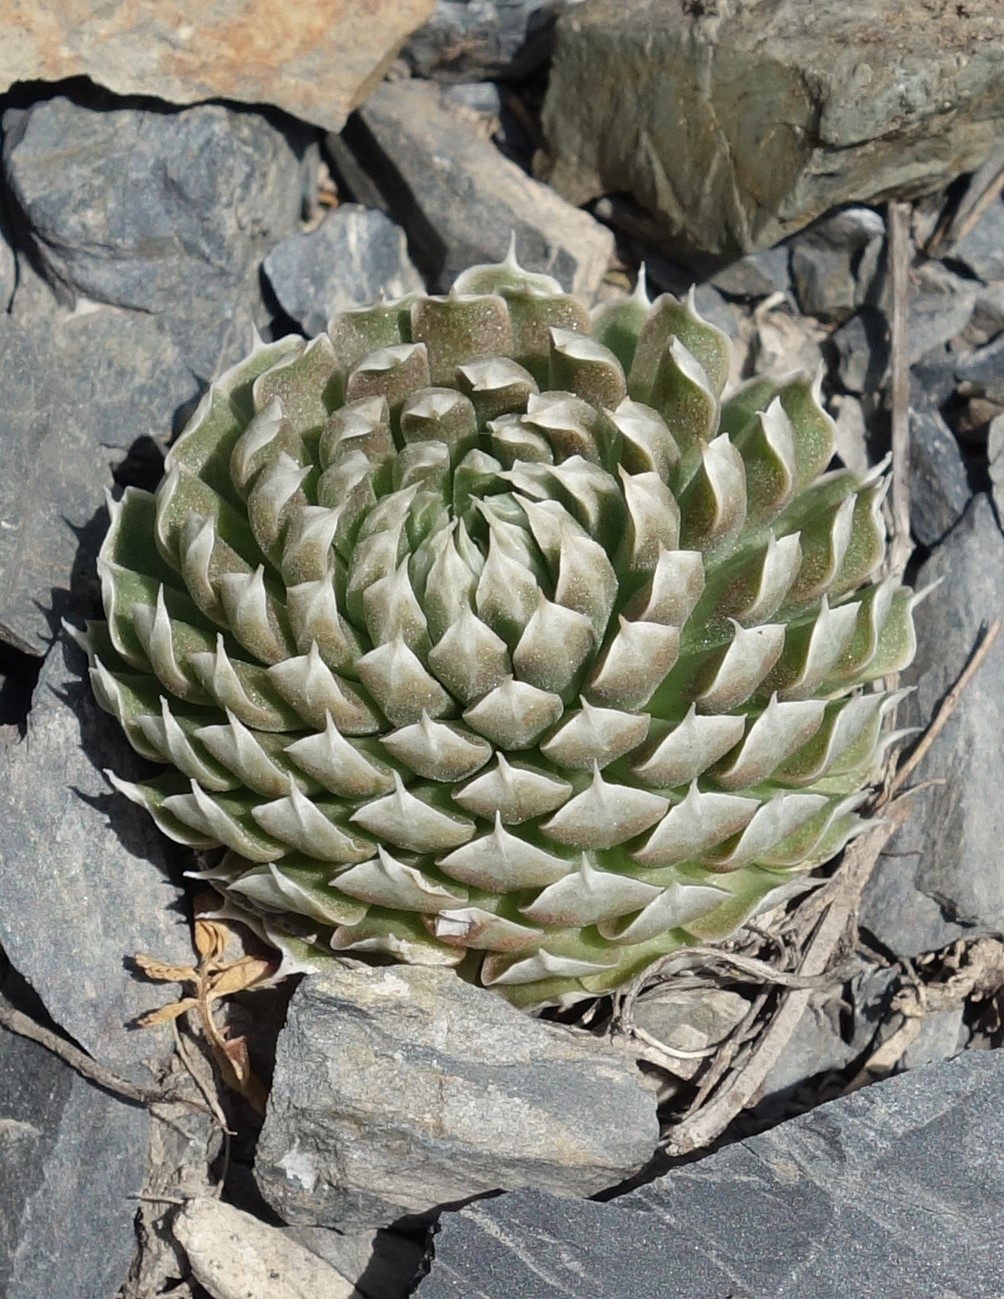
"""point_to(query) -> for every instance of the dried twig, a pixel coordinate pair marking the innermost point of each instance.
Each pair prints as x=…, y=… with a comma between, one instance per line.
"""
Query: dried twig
x=16, y=1021
x=900, y=259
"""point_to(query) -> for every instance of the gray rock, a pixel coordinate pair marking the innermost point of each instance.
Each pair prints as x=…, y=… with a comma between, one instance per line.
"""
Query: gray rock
x=940, y=306
x=827, y=258
x=353, y=257
x=939, y=486
x=848, y=229
x=862, y=347
x=690, y=1022
x=932, y=379
x=942, y=1036
x=162, y=212
x=738, y=124
x=465, y=39
x=983, y=371
x=941, y=879
x=316, y=63
x=713, y=307
x=836, y=1028
x=824, y=284
x=987, y=320
x=79, y=389
x=995, y=457
x=398, y=1090
x=353, y=181
x=481, y=97
x=892, y=1191
x=71, y=1159
x=982, y=249
x=84, y=875
x=381, y=1264
x=237, y=1256
x=757, y=275
x=461, y=201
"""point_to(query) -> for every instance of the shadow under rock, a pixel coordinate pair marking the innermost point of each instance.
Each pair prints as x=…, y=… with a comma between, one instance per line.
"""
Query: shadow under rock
x=85, y=93
x=18, y=677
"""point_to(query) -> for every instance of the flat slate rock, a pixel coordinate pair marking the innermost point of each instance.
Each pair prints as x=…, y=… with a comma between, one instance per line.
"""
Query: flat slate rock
x=355, y=256
x=314, y=58
x=939, y=484
x=237, y=1256
x=942, y=877
x=737, y=124
x=489, y=38
x=84, y=874
x=400, y=1089
x=157, y=211
x=78, y=391
x=461, y=201
x=891, y=1192
x=982, y=248
x=72, y=1158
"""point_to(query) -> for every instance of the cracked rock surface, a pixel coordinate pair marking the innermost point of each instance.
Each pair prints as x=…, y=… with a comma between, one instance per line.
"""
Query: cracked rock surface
x=892, y=1191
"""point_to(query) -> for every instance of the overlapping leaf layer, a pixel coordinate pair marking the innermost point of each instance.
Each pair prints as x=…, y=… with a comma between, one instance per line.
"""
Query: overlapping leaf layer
x=482, y=630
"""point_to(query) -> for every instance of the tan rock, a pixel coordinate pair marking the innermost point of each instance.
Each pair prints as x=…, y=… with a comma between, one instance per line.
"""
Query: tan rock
x=236, y=1256
x=317, y=59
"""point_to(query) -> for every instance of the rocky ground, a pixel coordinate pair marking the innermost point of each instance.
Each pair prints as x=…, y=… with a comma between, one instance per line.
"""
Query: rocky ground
x=156, y=207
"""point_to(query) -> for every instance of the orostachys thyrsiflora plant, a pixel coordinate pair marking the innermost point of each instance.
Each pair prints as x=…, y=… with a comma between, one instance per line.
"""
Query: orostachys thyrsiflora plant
x=480, y=630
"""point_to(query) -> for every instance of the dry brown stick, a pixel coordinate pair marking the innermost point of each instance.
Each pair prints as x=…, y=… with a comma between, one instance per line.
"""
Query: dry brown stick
x=900, y=259
x=24, y=1026
x=947, y=706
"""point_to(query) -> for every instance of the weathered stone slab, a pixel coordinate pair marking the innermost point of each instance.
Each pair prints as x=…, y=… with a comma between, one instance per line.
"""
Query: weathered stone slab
x=982, y=248
x=461, y=201
x=489, y=38
x=381, y=1264
x=84, y=874
x=826, y=261
x=169, y=214
x=353, y=257
x=71, y=1159
x=737, y=124
x=237, y=1256
x=78, y=390
x=895, y=1190
x=942, y=878
x=398, y=1090
x=315, y=58
x=161, y=212
x=939, y=486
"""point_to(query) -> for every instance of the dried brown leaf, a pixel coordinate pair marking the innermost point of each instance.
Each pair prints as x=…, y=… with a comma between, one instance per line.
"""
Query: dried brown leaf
x=161, y=972
x=210, y=938
x=165, y=1014
x=242, y=974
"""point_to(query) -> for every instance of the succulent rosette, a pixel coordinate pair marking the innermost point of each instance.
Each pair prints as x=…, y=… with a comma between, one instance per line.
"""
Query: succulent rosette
x=481, y=630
